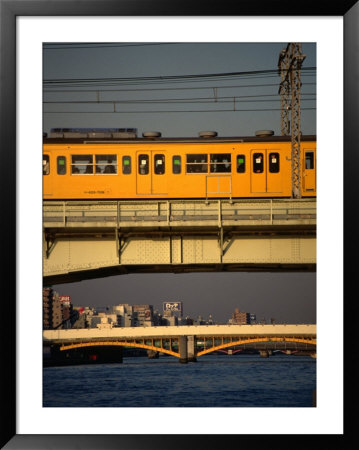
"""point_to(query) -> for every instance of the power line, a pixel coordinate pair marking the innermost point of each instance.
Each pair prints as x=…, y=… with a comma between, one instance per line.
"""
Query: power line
x=50, y=46
x=161, y=101
x=169, y=89
x=163, y=82
x=162, y=112
x=161, y=78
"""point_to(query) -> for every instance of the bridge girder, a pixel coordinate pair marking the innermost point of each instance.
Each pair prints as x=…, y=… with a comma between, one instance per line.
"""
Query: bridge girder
x=82, y=241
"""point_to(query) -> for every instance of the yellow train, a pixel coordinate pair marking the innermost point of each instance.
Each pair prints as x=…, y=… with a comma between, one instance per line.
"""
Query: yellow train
x=116, y=164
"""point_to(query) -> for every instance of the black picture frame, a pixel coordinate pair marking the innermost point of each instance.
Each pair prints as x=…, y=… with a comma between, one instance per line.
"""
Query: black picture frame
x=9, y=10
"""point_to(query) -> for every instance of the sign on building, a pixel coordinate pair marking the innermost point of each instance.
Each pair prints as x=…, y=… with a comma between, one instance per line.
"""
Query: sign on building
x=173, y=306
x=65, y=299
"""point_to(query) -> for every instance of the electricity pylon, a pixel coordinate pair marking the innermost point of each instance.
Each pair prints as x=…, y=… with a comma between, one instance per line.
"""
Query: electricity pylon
x=289, y=67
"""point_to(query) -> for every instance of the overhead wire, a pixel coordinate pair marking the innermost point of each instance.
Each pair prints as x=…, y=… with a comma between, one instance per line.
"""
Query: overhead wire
x=69, y=46
x=167, y=111
x=82, y=84
x=211, y=100
x=162, y=78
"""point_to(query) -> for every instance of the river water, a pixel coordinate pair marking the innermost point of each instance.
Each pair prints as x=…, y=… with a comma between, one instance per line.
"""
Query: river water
x=212, y=381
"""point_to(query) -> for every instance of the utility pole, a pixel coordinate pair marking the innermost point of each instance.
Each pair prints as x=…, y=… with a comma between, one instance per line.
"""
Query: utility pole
x=289, y=67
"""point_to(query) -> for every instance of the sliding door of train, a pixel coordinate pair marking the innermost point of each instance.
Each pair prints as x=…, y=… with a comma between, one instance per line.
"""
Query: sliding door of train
x=266, y=176
x=309, y=169
x=151, y=176
x=47, y=178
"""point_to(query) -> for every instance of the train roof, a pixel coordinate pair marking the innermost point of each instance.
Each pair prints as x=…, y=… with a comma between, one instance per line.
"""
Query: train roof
x=137, y=140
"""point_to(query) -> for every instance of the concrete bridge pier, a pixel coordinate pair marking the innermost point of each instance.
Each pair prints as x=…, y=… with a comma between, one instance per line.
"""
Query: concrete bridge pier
x=191, y=353
x=264, y=353
x=182, y=343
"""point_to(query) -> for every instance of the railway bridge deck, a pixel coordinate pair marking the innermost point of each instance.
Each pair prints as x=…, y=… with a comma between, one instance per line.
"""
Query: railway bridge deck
x=91, y=239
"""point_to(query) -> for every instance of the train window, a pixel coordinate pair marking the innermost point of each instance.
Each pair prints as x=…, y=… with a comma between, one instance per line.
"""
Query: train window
x=220, y=162
x=241, y=163
x=143, y=166
x=159, y=164
x=126, y=165
x=176, y=164
x=106, y=164
x=309, y=160
x=61, y=165
x=45, y=164
x=273, y=162
x=257, y=162
x=81, y=164
x=197, y=163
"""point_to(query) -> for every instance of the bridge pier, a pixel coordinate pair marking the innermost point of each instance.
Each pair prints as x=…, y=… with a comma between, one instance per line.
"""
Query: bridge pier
x=191, y=353
x=182, y=341
x=264, y=353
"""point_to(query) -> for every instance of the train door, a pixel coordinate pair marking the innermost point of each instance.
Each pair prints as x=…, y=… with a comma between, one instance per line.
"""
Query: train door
x=309, y=169
x=258, y=171
x=159, y=176
x=266, y=176
x=47, y=178
x=151, y=173
x=274, y=172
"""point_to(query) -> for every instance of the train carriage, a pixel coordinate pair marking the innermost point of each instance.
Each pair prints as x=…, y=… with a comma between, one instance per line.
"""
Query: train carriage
x=119, y=165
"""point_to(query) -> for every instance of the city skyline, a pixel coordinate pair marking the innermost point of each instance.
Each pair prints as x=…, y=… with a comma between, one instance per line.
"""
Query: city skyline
x=269, y=299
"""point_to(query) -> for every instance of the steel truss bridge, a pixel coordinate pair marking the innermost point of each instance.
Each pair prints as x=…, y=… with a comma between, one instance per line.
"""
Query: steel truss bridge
x=87, y=239
x=188, y=342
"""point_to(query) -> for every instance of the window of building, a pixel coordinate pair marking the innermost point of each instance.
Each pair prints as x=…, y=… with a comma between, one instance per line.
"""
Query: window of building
x=143, y=164
x=257, y=162
x=241, y=163
x=176, y=164
x=45, y=164
x=273, y=162
x=159, y=164
x=197, y=163
x=309, y=160
x=81, y=164
x=61, y=165
x=126, y=165
x=106, y=164
x=220, y=163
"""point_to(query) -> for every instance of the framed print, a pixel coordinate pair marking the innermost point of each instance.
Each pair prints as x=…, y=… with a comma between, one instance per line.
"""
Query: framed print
x=31, y=34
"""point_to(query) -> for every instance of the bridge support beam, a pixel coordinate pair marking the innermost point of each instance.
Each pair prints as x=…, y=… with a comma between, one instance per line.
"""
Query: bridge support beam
x=191, y=353
x=182, y=340
x=87, y=240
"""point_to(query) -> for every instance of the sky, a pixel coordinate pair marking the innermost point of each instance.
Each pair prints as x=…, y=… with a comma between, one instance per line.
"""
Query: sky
x=234, y=91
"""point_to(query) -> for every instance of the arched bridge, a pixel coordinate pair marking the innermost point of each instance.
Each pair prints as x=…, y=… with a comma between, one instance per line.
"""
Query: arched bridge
x=187, y=342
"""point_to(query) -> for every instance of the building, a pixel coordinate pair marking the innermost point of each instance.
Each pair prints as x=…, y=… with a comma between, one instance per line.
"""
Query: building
x=142, y=315
x=52, y=310
x=102, y=320
x=240, y=318
x=124, y=314
x=79, y=317
x=67, y=310
x=169, y=319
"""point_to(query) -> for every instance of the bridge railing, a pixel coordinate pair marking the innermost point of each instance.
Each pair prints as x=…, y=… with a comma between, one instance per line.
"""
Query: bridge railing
x=179, y=213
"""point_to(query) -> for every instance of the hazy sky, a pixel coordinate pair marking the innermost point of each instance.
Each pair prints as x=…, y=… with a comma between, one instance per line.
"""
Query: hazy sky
x=286, y=297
